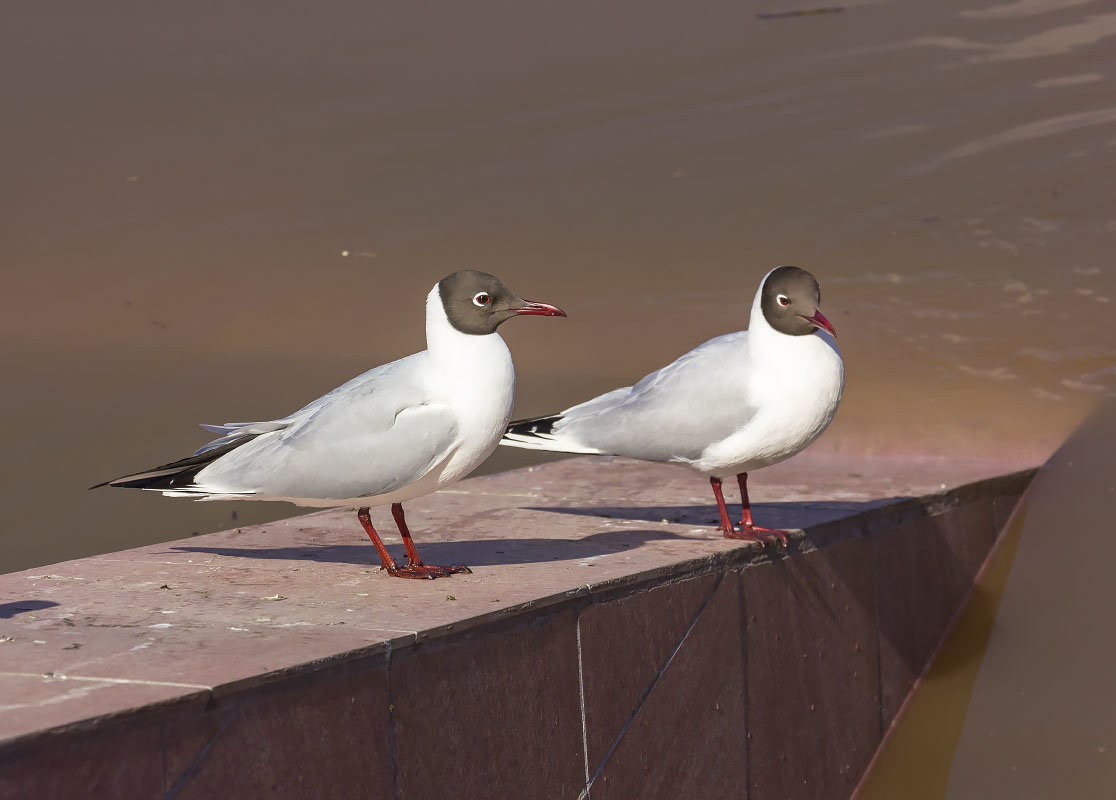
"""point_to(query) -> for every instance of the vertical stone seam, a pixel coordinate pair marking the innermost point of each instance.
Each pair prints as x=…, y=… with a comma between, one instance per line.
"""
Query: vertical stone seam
x=873, y=543
x=744, y=628
x=391, y=726
x=163, y=754
x=654, y=682
x=581, y=702
x=199, y=759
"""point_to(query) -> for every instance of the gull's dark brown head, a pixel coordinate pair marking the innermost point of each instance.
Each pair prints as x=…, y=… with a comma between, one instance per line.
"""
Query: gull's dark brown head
x=789, y=300
x=476, y=302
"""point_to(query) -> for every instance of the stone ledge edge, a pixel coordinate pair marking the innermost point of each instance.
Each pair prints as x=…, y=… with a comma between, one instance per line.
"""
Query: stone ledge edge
x=747, y=555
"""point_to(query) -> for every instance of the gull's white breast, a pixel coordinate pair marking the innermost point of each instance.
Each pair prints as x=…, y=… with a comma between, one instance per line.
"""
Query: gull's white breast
x=794, y=385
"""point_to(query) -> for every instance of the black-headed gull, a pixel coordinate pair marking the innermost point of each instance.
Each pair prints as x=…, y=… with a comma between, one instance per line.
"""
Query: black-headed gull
x=734, y=404
x=396, y=432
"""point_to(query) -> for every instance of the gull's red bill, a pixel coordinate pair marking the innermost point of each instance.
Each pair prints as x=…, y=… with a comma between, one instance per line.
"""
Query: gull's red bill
x=541, y=309
x=819, y=320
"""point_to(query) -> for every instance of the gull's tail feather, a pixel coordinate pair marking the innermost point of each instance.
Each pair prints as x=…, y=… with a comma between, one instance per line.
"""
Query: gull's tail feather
x=538, y=433
x=233, y=431
x=178, y=476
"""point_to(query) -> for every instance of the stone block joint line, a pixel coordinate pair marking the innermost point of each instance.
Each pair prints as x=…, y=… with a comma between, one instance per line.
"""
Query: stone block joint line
x=581, y=703
x=60, y=676
x=744, y=682
x=874, y=544
x=391, y=729
x=199, y=759
x=647, y=692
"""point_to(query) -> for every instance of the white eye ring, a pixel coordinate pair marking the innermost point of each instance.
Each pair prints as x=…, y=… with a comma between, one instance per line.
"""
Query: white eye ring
x=784, y=301
x=481, y=299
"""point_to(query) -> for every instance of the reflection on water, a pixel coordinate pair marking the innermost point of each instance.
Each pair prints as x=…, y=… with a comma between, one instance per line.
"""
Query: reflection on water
x=1017, y=702
x=220, y=214
x=1068, y=80
x=1050, y=42
x=1032, y=130
x=1022, y=8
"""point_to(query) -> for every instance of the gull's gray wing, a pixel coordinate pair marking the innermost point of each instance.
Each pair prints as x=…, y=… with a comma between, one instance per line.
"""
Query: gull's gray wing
x=674, y=413
x=373, y=435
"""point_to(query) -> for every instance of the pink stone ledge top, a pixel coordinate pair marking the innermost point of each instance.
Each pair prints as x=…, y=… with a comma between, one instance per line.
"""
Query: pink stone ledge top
x=187, y=620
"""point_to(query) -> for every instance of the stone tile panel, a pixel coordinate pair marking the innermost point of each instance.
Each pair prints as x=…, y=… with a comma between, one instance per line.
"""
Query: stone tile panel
x=925, y=570
x=688, y=739
x=493, y=713
x=812, y=673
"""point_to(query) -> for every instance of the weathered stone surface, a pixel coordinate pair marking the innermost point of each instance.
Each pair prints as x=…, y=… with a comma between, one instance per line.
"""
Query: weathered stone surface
x=200, y=646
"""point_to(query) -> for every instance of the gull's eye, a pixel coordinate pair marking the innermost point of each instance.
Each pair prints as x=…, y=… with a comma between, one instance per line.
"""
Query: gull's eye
x=784, y=301
x=481, y=299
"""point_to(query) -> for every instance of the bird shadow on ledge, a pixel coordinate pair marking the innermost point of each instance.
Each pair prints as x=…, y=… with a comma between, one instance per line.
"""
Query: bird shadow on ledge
x=531, y=550
x=794, y=515
x=9, y=610
x=472, y=552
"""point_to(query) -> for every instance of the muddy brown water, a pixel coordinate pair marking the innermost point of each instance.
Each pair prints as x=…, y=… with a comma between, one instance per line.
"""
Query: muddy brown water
x=1016, y=703
x=219, y=211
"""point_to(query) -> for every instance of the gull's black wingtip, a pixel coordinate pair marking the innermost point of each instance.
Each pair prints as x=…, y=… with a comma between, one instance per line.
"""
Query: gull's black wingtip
x=177, y=474
x=534, y=425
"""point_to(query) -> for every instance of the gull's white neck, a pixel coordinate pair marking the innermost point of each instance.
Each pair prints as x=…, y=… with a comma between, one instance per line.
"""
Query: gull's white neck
x=475, y=364
x=474, y=376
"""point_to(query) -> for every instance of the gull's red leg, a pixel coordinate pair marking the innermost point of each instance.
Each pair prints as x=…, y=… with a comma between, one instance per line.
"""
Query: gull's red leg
x=726, y=523
x=385, y=556
x=746, y=517
x=415, y=567
x=413, y=559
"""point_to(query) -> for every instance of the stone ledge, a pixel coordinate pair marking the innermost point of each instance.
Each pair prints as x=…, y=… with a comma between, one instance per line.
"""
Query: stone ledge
x=225, y=630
